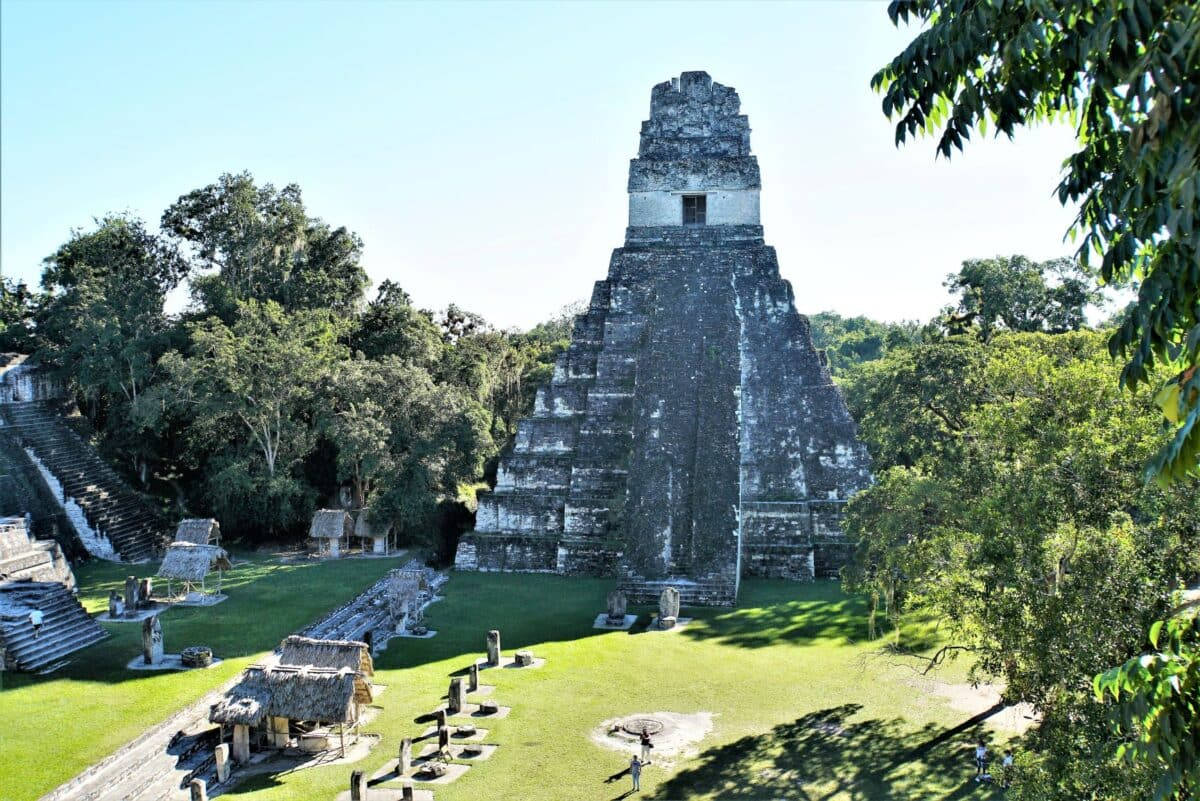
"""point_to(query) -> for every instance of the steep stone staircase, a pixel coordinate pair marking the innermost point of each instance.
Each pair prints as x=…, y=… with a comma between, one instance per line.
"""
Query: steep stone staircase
x=66, y=626
x=132, y=526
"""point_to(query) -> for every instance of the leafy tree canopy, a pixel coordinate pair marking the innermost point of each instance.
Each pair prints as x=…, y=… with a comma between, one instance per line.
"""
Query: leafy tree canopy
x=1017, y=294
x=265, y=247
x=850, y=341
x=1126, y=74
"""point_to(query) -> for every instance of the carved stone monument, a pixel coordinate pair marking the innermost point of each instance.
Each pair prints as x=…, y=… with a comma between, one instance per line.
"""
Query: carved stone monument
x=524, y=658
x=198, y=790
x=131, y=594
x=668, y=603
x=443, y=740
x=693, y=337
x=116, y=606
x=457, y=697
x=617, y=604
x=221, y=758
x=405, y=763
x=493, y=648
x=406, y=791
x=440, y=718
x=473, y=678
x=145, y=591
x=358, y=786
x=152, y=641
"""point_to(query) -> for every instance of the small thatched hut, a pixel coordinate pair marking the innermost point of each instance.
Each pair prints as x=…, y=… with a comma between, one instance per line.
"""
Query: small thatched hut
x=330, y=531
x=191, y=564
x=199, y=531
x=379, y=533
x=268, y=700
x=336, y=654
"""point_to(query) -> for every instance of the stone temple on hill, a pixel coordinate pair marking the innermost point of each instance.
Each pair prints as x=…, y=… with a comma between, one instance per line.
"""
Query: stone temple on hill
x=691, y=434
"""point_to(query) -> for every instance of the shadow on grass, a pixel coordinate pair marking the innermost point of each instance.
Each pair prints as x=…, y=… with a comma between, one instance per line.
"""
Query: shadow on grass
x=772, y=612
x=823, y=755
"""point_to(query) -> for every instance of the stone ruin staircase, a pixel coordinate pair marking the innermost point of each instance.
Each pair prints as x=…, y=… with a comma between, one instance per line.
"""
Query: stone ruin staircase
x=67, y=626
x=113, y=509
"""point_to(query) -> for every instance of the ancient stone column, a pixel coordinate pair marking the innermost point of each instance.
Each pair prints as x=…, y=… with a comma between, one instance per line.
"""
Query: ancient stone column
x=221, y=757
x=406, y=791
x=358, y=786
x=617, y=604
x=443, y=740
x=457, y=697
x=114, y=604
x=145, y=590
x=241, y=743
x=668, y=603
x=473, y=678
x=405, y=763
x=152, y=641
x=524, y=658
x=493, y=648
x=199, y=790
x=131, y=593
x=440, y=718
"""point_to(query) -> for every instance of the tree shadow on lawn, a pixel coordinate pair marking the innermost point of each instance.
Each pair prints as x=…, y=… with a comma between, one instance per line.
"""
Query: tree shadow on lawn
x=822, y=756
x=772, y=612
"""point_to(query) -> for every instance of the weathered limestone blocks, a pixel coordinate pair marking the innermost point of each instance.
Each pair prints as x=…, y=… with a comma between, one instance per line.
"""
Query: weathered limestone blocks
x=668, y=604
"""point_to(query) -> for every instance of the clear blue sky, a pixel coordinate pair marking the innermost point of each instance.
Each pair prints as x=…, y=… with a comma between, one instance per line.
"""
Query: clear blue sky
x=481, y=150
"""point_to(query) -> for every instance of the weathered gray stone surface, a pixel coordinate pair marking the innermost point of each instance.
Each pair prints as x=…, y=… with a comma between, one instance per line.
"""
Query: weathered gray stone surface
x=668, y=603
x=406, y=756
x=221, y=760
x=691, y=433
x=457, y=696
x=617, y=605
x=152, y=641
x=523, y=658
x=358, y=786
x=473, y=678
x=493, y=648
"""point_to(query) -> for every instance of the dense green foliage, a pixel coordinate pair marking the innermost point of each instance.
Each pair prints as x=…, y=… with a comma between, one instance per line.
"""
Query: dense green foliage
x=850, y=341
x=1008, y=505
x=282, y=388
x=1126, y=74
x=1159, y=696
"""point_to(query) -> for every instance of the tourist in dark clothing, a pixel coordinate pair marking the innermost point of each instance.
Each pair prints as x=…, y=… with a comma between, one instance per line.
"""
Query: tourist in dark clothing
x=646, y=746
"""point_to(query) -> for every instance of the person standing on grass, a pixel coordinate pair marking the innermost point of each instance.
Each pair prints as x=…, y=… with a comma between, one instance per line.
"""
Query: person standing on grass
x=981, y=755
x=646, y=746
x=1006, y=769
x=35, y=620
x=635, y=770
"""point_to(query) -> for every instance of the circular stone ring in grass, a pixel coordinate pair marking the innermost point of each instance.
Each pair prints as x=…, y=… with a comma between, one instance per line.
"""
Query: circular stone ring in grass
x=672, y=733
x=637, y=725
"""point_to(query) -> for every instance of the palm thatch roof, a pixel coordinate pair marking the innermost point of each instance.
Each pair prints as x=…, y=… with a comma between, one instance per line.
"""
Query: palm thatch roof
x=198, y=530
x=294, y=692
x=331, y=524
x=337, y=654
x=363, y=527
x=186, y=561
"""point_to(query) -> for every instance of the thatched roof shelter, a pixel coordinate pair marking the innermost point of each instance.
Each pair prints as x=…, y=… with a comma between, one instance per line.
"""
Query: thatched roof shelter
x=336, y=654
x=363, y=527
x=187, y=562
x=331, y=524
x=199, y=531
x=295, y=692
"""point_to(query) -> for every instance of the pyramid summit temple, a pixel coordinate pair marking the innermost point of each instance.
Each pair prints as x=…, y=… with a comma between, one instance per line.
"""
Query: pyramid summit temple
x=691, y=434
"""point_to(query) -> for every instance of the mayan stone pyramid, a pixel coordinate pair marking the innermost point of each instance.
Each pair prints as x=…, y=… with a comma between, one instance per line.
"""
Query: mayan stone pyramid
x=691, y=434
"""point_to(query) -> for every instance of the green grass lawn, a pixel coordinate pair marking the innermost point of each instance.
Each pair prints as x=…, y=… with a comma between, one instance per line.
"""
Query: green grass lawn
x=804, y=708
x=51, y=727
